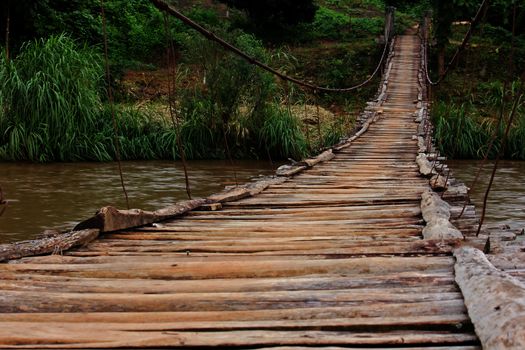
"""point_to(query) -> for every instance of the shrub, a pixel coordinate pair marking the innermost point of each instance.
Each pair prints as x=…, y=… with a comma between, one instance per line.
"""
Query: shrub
x=50, y=100
x=281, y=134
x=330, y=24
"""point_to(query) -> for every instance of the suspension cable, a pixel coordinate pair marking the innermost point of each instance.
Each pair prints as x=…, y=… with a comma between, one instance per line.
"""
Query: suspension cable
x=477, y=18
x=163, y=6
x=172, y=107
x=111, y=103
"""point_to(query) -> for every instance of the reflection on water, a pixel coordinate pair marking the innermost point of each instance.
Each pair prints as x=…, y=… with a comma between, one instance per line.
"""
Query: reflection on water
x=506, y=204
x=59, y=195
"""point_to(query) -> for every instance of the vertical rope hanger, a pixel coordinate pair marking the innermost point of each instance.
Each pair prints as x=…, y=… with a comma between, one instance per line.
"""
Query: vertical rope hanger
x=318, y=120
x=500, y=120
x=3, y=202
x=111, y=103
x=517, y=101
x=228, y=152
x=172, y=107
x=7, y=27
x=306, y=127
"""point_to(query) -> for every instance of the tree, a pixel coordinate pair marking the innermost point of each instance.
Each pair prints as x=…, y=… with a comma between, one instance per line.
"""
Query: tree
x=276, y=14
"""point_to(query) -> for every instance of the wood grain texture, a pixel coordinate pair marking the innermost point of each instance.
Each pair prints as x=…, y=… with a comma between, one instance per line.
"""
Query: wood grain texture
x=330, y=255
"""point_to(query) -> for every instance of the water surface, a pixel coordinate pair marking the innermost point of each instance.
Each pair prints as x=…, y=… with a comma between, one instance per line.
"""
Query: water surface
x=506, y=204
x=59, y=195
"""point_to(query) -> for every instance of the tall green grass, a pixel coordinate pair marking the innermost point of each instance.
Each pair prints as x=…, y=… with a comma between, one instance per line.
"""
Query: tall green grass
x=281, y=134
x=52, y=109
x=50, y=97
x=463, y=131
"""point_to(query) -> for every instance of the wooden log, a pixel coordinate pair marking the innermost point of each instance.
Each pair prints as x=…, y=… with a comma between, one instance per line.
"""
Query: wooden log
x=54, y=244
x=29, y=301
x=210, y=207
x=422, y=148
x=289, y=170
x=93, y=336
x=432, y=279
x=508, y=261
x=436, y=213
x=374, y=324
x=259, y=186
x=425, y=168
x=494, y=299
x=239, y=269
x=323, y=157
x=230, y=195
x=438, y=183
x=110, y=219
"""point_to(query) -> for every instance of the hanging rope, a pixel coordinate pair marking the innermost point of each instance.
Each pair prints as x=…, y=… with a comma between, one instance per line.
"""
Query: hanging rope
x=111, y=103
x=500, y=118
x=477, y=18
x=487, y=153
x=163, y=6
x=517, y=101
x=172, y=107
x=3, y=202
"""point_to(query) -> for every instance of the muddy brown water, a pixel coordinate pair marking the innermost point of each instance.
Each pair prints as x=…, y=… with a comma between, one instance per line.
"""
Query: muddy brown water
x=506, y=203
x=42, y=196
x=59, y=195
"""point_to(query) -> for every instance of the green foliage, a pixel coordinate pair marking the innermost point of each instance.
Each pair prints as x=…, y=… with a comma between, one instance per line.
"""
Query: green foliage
x=232, y=98
x=135, y=28
x=281, y=134
x=50, y=100
x=465, y=130
x=276, y=12
x=330, y=24
x=337, y=25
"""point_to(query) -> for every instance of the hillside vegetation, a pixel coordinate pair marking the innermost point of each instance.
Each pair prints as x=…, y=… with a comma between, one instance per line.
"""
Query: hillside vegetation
x=54, y=93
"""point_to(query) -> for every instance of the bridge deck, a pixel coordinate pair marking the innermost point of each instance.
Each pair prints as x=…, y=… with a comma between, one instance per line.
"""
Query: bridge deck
x=331, y=257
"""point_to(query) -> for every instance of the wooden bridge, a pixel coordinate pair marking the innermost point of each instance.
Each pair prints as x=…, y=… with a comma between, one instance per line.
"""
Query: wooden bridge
x=331, y=256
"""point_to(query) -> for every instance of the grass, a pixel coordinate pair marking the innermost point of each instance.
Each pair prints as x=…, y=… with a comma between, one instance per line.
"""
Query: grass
x=53, y=104
x=50, y=97
x=463, y=132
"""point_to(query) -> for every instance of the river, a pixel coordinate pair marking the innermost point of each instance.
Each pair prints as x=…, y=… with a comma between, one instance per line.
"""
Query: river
x=58, y=195
x=506, y=203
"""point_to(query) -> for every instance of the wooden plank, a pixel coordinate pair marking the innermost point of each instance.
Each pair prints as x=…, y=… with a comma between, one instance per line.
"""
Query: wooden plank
x=94, y=336
x=329, y=258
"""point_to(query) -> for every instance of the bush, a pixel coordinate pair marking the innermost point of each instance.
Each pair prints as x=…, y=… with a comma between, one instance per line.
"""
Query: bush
x=281, y=134
x=330, y=24
x=50, y=100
